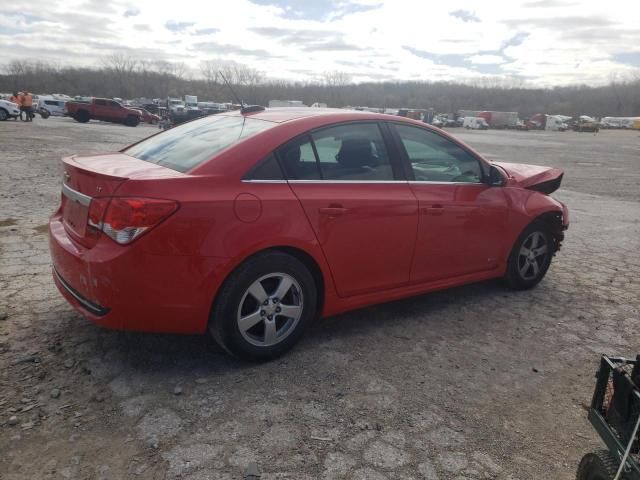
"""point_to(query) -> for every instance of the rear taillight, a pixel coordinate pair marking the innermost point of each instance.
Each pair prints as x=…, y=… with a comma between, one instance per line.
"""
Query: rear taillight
x=125, y=219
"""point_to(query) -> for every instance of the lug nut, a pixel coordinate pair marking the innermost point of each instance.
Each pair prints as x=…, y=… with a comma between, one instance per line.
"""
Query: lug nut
x=262, y=313
x=278, y=310
x=276, y=300
x=266, y=302
x=270, y=317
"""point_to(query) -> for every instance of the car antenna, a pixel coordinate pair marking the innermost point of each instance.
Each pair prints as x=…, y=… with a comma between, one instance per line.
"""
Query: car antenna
x=243, y=108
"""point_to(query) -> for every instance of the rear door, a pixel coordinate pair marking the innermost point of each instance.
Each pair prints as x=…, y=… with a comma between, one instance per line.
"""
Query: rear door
x=361, y=208
x=463, y=221
x=101, y=109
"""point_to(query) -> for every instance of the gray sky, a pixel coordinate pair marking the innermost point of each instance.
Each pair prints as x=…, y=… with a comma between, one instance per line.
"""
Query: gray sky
x=544, y=42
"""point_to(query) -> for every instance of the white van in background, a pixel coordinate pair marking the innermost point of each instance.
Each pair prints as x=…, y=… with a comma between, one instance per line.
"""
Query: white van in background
x=475, y=123
x=55, y=106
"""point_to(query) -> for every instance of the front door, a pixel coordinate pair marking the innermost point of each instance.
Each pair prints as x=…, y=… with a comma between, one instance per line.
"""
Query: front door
x=364, y=217
x=463, y=221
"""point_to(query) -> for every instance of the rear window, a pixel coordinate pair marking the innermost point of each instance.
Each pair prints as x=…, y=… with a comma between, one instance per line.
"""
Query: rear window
x=187, y=146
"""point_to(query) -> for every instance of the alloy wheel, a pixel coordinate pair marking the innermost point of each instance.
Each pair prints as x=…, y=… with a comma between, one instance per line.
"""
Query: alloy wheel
x=270, y=309
x=532, y=256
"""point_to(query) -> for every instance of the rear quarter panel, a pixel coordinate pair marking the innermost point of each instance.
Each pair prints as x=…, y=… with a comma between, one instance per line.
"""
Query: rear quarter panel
x=228, y=220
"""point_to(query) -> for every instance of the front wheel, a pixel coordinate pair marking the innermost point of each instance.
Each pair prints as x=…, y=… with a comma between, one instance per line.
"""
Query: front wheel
x=597, y=466
x=3, y=114
x=264, y=306
x=530, y=257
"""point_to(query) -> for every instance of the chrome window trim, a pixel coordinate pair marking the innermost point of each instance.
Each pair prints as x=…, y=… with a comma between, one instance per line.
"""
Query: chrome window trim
x=429, y=182
x=263, y=181
x=347, y=181
x=75, y=196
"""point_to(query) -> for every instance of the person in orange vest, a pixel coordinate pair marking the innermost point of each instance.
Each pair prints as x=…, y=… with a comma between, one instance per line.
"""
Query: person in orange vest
x=26, y=107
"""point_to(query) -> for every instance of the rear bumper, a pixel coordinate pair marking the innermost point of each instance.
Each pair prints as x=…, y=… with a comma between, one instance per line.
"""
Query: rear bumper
x=126, y=288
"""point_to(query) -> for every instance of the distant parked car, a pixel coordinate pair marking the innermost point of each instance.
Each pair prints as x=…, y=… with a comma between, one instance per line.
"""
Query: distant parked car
x=8, y=110
x=53, y=105
x=475, y=123
x=586, y=124
x=103, y=109
x=147, y=116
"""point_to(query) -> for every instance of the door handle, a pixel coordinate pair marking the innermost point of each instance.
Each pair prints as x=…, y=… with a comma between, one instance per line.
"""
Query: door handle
x=333, y=210
x=435, y=210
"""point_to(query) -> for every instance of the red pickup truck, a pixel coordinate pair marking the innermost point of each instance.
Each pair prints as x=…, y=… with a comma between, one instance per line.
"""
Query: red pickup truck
x=103, y=109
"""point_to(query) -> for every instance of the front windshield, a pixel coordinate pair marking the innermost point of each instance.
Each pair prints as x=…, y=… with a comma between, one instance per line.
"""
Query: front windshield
x=186, y=146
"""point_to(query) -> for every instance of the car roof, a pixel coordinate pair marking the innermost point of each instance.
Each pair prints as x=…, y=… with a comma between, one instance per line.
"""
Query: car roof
x=286, y=114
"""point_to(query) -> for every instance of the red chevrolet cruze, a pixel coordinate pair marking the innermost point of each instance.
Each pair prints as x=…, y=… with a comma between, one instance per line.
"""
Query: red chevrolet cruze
x=251, y=224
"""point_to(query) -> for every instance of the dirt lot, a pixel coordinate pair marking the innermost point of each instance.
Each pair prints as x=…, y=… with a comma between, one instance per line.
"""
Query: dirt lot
x=473, y=383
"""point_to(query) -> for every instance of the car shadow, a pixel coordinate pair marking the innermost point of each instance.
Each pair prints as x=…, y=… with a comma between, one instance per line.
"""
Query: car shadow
x=200, y=355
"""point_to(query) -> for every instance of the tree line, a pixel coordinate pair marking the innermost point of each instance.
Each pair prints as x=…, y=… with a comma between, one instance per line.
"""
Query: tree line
x=127, y=77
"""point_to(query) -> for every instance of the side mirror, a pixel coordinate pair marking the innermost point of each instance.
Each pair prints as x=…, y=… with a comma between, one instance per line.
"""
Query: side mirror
x=496, y=177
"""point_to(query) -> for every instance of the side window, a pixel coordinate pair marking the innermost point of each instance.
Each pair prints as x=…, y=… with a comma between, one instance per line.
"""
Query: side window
x=102, y=103
x=436, y=159
x=111, y=103
x=353, y=152
x=298, y=160
x=267, y=169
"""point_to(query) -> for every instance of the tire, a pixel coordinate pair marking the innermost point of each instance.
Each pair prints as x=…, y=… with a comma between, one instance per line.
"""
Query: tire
x=132, y=121
x=243, y=296
x=44, y=114
x=597, y=466
x=528, y=262
x=3, y=115
x=82, y=116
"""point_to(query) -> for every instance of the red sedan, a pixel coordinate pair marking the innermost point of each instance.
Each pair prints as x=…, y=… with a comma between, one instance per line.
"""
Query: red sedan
x=251, y=224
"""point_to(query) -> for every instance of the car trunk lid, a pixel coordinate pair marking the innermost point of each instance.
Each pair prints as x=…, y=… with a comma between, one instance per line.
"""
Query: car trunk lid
x=87, y=178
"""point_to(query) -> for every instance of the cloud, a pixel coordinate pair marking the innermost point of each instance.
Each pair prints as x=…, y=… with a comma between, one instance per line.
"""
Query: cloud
x=228, y=49
x=206, y=31
x=131, y=12
x=369, y=39
x=464, y=15
x=487, y=59
x=177, y=26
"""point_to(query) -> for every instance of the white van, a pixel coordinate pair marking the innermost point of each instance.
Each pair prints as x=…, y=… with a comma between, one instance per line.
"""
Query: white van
x=475, y=123
x=55, y=106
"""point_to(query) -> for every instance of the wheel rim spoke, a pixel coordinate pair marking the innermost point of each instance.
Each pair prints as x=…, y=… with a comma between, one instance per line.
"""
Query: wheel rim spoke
x=524, y=251
x=270, y=333
x=290, y=311
x=525, y=269
x=535, y=238
x=283, y=287
x=249, y=321
x=540, y=251
x=535, y=268
x=258, y=292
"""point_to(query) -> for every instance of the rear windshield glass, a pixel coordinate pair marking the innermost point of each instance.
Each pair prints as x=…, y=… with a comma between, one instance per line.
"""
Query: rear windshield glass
x=187, y=146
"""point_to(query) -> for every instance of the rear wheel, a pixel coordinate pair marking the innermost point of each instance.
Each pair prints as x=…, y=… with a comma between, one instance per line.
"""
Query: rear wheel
x=264, y=306
x=530, y=257
x=597, y=466
x=3, y=114
x=132, y=121
x=82, y=116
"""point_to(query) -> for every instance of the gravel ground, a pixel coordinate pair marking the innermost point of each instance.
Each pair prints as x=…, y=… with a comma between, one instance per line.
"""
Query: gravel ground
x=473, y=383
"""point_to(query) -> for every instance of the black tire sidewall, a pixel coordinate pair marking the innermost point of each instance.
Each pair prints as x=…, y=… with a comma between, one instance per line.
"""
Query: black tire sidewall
x=513, y=277
x=223, y=321
x=5, y=115
x=597, y=466
x=82, y=116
